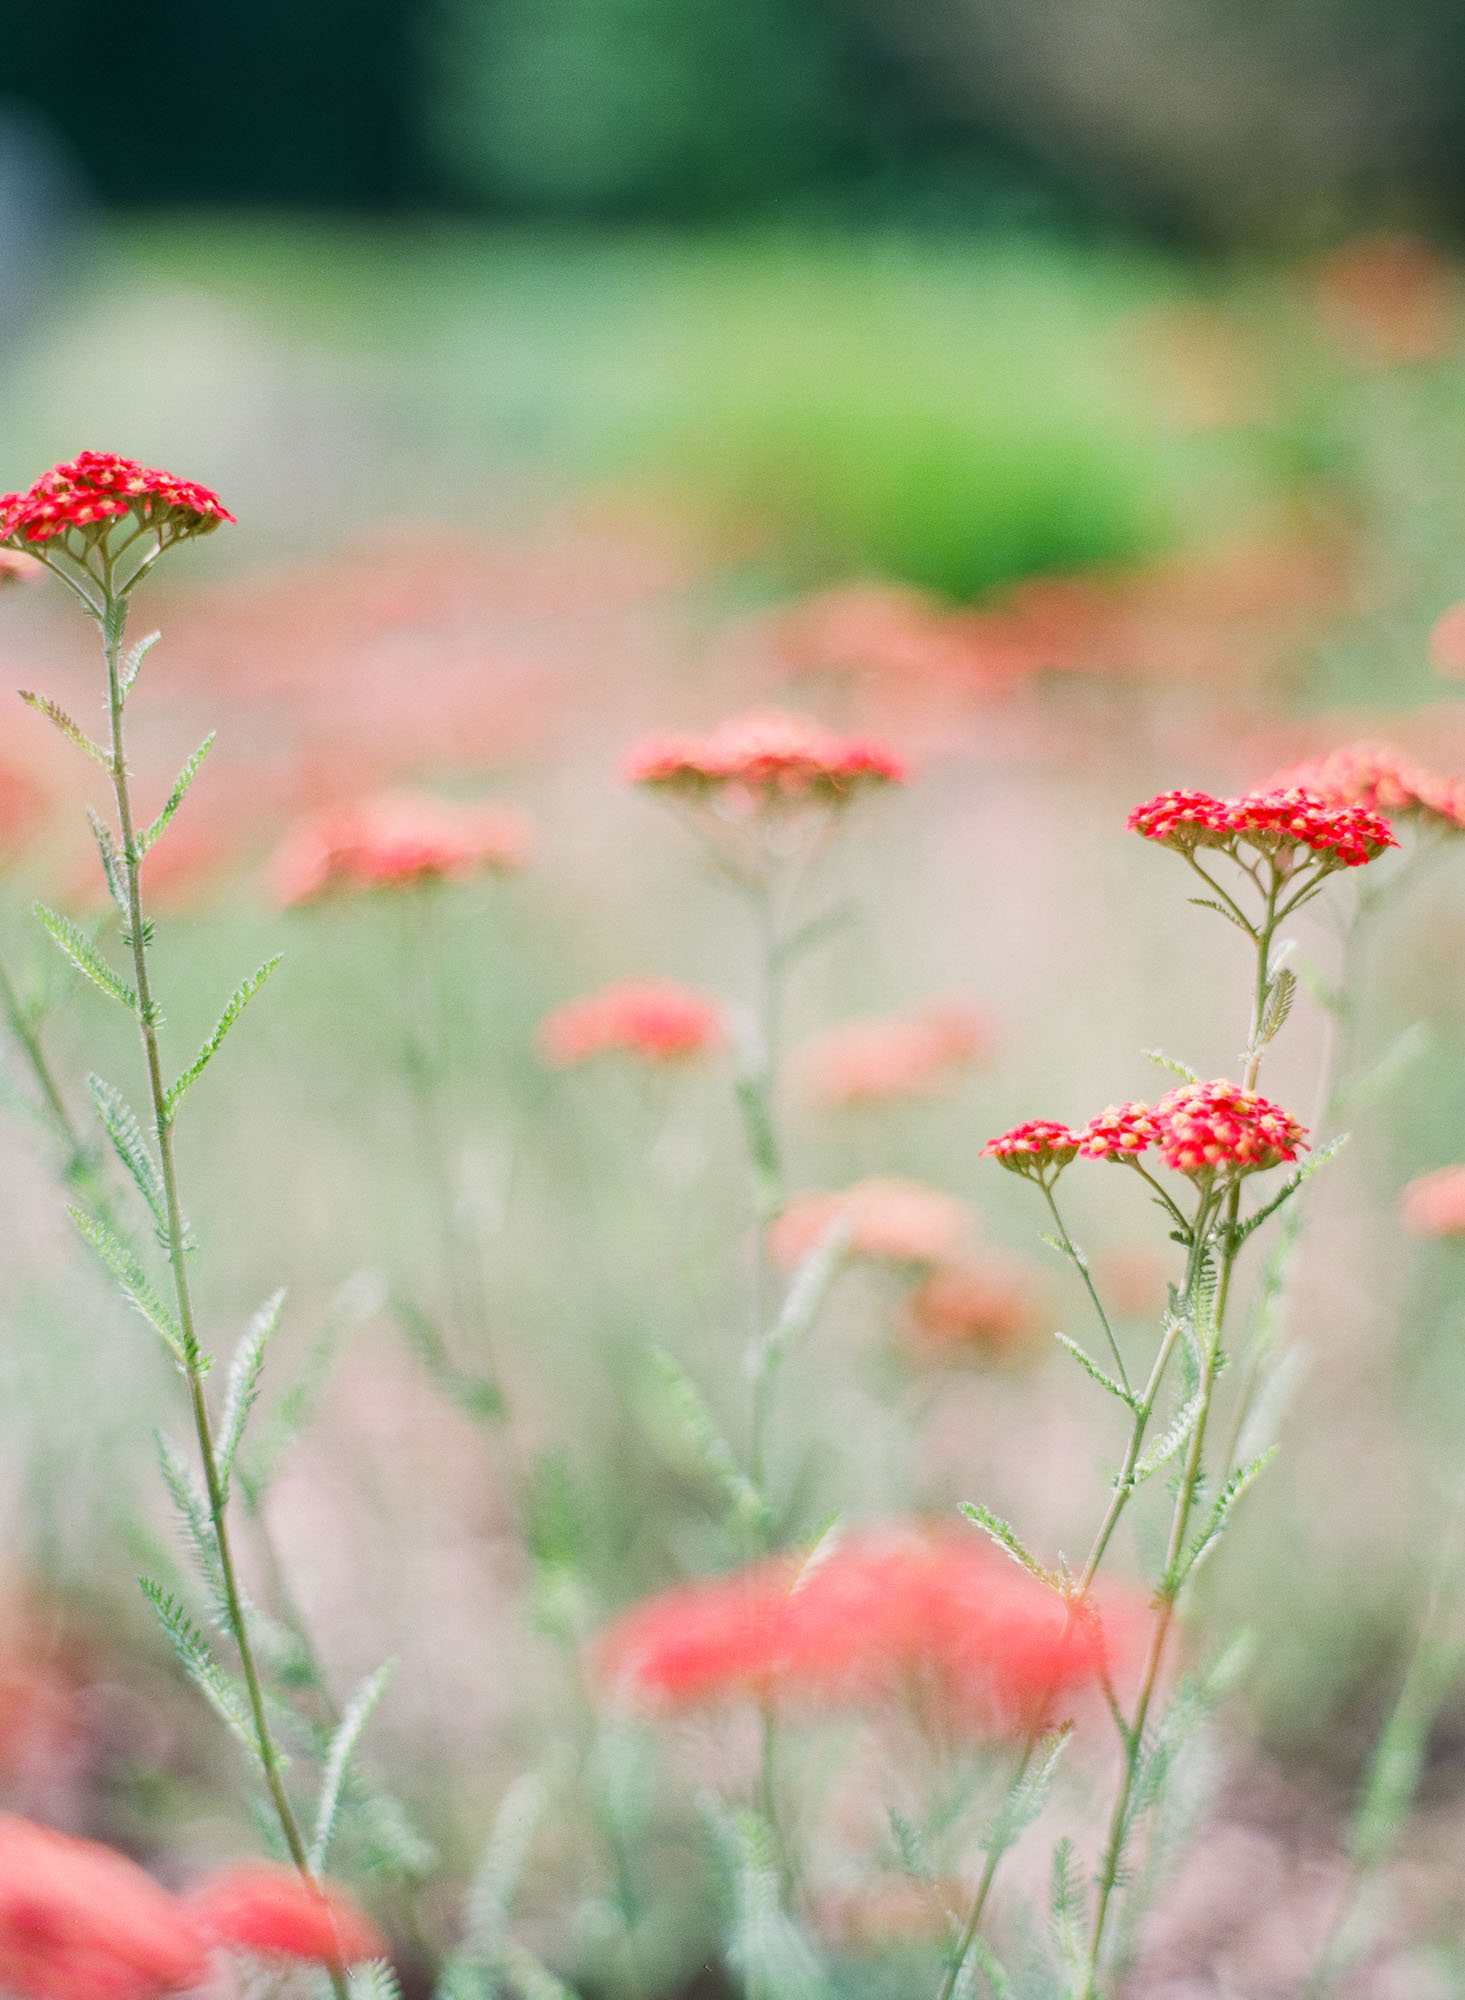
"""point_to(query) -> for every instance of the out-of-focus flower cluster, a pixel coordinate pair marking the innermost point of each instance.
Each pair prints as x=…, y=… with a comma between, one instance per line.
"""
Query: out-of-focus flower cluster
x=917, y=1053
x=901, y=1611
x=1381, y=778
x=396, y=840
x=655, y=1020
x=1434, y=1205
x=765, y=758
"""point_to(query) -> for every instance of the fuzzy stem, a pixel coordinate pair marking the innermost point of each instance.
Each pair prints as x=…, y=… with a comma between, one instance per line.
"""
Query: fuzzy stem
x=114, y=625
x=1081, y=1265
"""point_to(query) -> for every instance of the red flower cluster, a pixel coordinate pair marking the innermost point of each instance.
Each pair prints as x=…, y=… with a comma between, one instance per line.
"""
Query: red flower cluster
x=1383, y=779
x=898, y=1055
x=92, y=490
x=986, y=1304
x=395, y=840
x=1341, y=836
x=894, y=1221
x=1034, y=1147
x=1121, y=1132
x=765, y=758
x=654, y=1019
x=1434, y=1205
x=1201, y=1126
x=900, y=1610
x=79, y=1922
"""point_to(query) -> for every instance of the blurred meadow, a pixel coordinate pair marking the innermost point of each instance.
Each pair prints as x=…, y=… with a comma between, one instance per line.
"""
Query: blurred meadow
x=999, y=442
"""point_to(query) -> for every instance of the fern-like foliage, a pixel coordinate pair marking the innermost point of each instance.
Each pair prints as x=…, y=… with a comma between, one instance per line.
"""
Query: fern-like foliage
x=238, y=1000
x=342, y=1749
x=198, y=1662
x=175, y=798
x=136, y=1286
x=120, y=1123
x=713, y=1452
x=241, y=1391
x=78, y=947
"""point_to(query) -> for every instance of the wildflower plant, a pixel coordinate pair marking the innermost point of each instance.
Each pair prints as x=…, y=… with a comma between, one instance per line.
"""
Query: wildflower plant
x=99, y=524
x=1207, y=1139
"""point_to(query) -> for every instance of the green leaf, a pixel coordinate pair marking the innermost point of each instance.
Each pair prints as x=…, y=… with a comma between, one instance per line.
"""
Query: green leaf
x=1068, y=1923
x=1281, y=992
x=478, y=1396
x=43, y=705
x=132, y=661
x=136, y=1286
x=765, y=1946
x=375, y=1981
x=111, y=863
x=342, y=1749
x=715, y=1453
x=84, y=955
x=1087, y=1361
x=176, y=797
x=1028, y=1794
x=238, y=1001
x=356, y=1301
x=496, y=1883
x=119, y=1122
x=1401, y=1054
x=910, y=1847
x=529, y=1977
x=202, y=1668
x=981, y=1958
x=555, y=1531
x=241, y=1391
x=806, y=1294
x=1209, y=903
x=1220, y=1516
x=1006, y=1537
x=1178, y=1433
x=190, y=1503
x=1173, y=1063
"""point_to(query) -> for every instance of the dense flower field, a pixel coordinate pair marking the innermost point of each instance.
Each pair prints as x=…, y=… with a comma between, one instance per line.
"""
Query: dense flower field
x=765, y=1310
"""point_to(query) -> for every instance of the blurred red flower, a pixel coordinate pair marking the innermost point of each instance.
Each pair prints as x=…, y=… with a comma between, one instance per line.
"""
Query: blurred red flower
x=79, y=1922
x=264, y=1908
x=655, y=1019
x=1390, y=298
x=911, y=1054
x=92, y=489
x=1382, y=778
x=894, y=1221
x=1434, y=1205
x=763, y=758
x=906, y=1609
x=395, y=840
x=985, y=1304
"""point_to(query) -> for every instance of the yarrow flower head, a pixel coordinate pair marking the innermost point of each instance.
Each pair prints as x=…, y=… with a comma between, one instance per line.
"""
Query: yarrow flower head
x=90, y=492
x=396, y=840
x=655, y=1020
x=1219, y=1127
x=1122, y=1132
x=890, y=1220
x=1381, y=778
x=267, y=1909
x=1275, y=823
x=1035, y=1149
x=902, y=1610
x=984, y=1305
x=912, y=1054
x=764, y=759
x=1434, y=1205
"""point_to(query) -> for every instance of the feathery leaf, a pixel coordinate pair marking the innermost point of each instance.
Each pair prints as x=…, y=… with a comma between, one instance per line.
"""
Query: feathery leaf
x=238, y=1001
x=241, y=1391
x=1006, y=1537
x=715, y=1453
x=119, y=1121
x=176, y=797
x=199, y=1664
x=338, y=1761
x=43, y=705
x=84, y=955
x=136, y=1286
x=1087, y=1361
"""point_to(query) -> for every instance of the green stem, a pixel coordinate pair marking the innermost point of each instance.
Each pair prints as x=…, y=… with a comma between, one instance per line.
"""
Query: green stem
x=114, y=625
x=1081, y=1265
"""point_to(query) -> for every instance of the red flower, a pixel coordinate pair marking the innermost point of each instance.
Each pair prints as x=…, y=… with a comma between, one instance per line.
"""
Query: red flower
x=1034, y=1147
x=1275, y=822
x=261, y=1907
x=985, y=1303
x=93, y=489
x=398, y=839
x=1434, y=1205
x=1205, y=1126
x=892, y=1611
x=78, y=1922
x=764, y=758
x=1122, y=1132
x=654, y=1019
x=1382, y=778
x=912, y=1054
x=894, y=1221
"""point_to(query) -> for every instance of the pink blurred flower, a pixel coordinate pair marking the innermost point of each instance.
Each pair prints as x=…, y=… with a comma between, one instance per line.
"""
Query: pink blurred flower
x=654, y=1019
x=18, y=568
x=1382, y=778
x=78, y=1922
x=1447, y=643
x=767, y=757
x=911, y=1054
x=903, y=1610
x=264, y=1908
x=397, y=839
x=1390, y=298
x=1434, y=1205
x=894, y=1221
x=985, y=1304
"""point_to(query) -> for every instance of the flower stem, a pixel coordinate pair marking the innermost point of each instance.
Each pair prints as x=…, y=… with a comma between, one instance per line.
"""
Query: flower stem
x=114, y=624
x=1081, y=1265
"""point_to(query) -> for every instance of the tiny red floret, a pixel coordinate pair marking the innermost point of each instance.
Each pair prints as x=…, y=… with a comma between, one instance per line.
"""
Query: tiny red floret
x=1122, y=1132
x=1219, y=1127
x=92, y=490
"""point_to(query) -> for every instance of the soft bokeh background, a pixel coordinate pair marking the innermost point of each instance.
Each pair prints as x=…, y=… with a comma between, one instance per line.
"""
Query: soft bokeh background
x=1075, y=396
